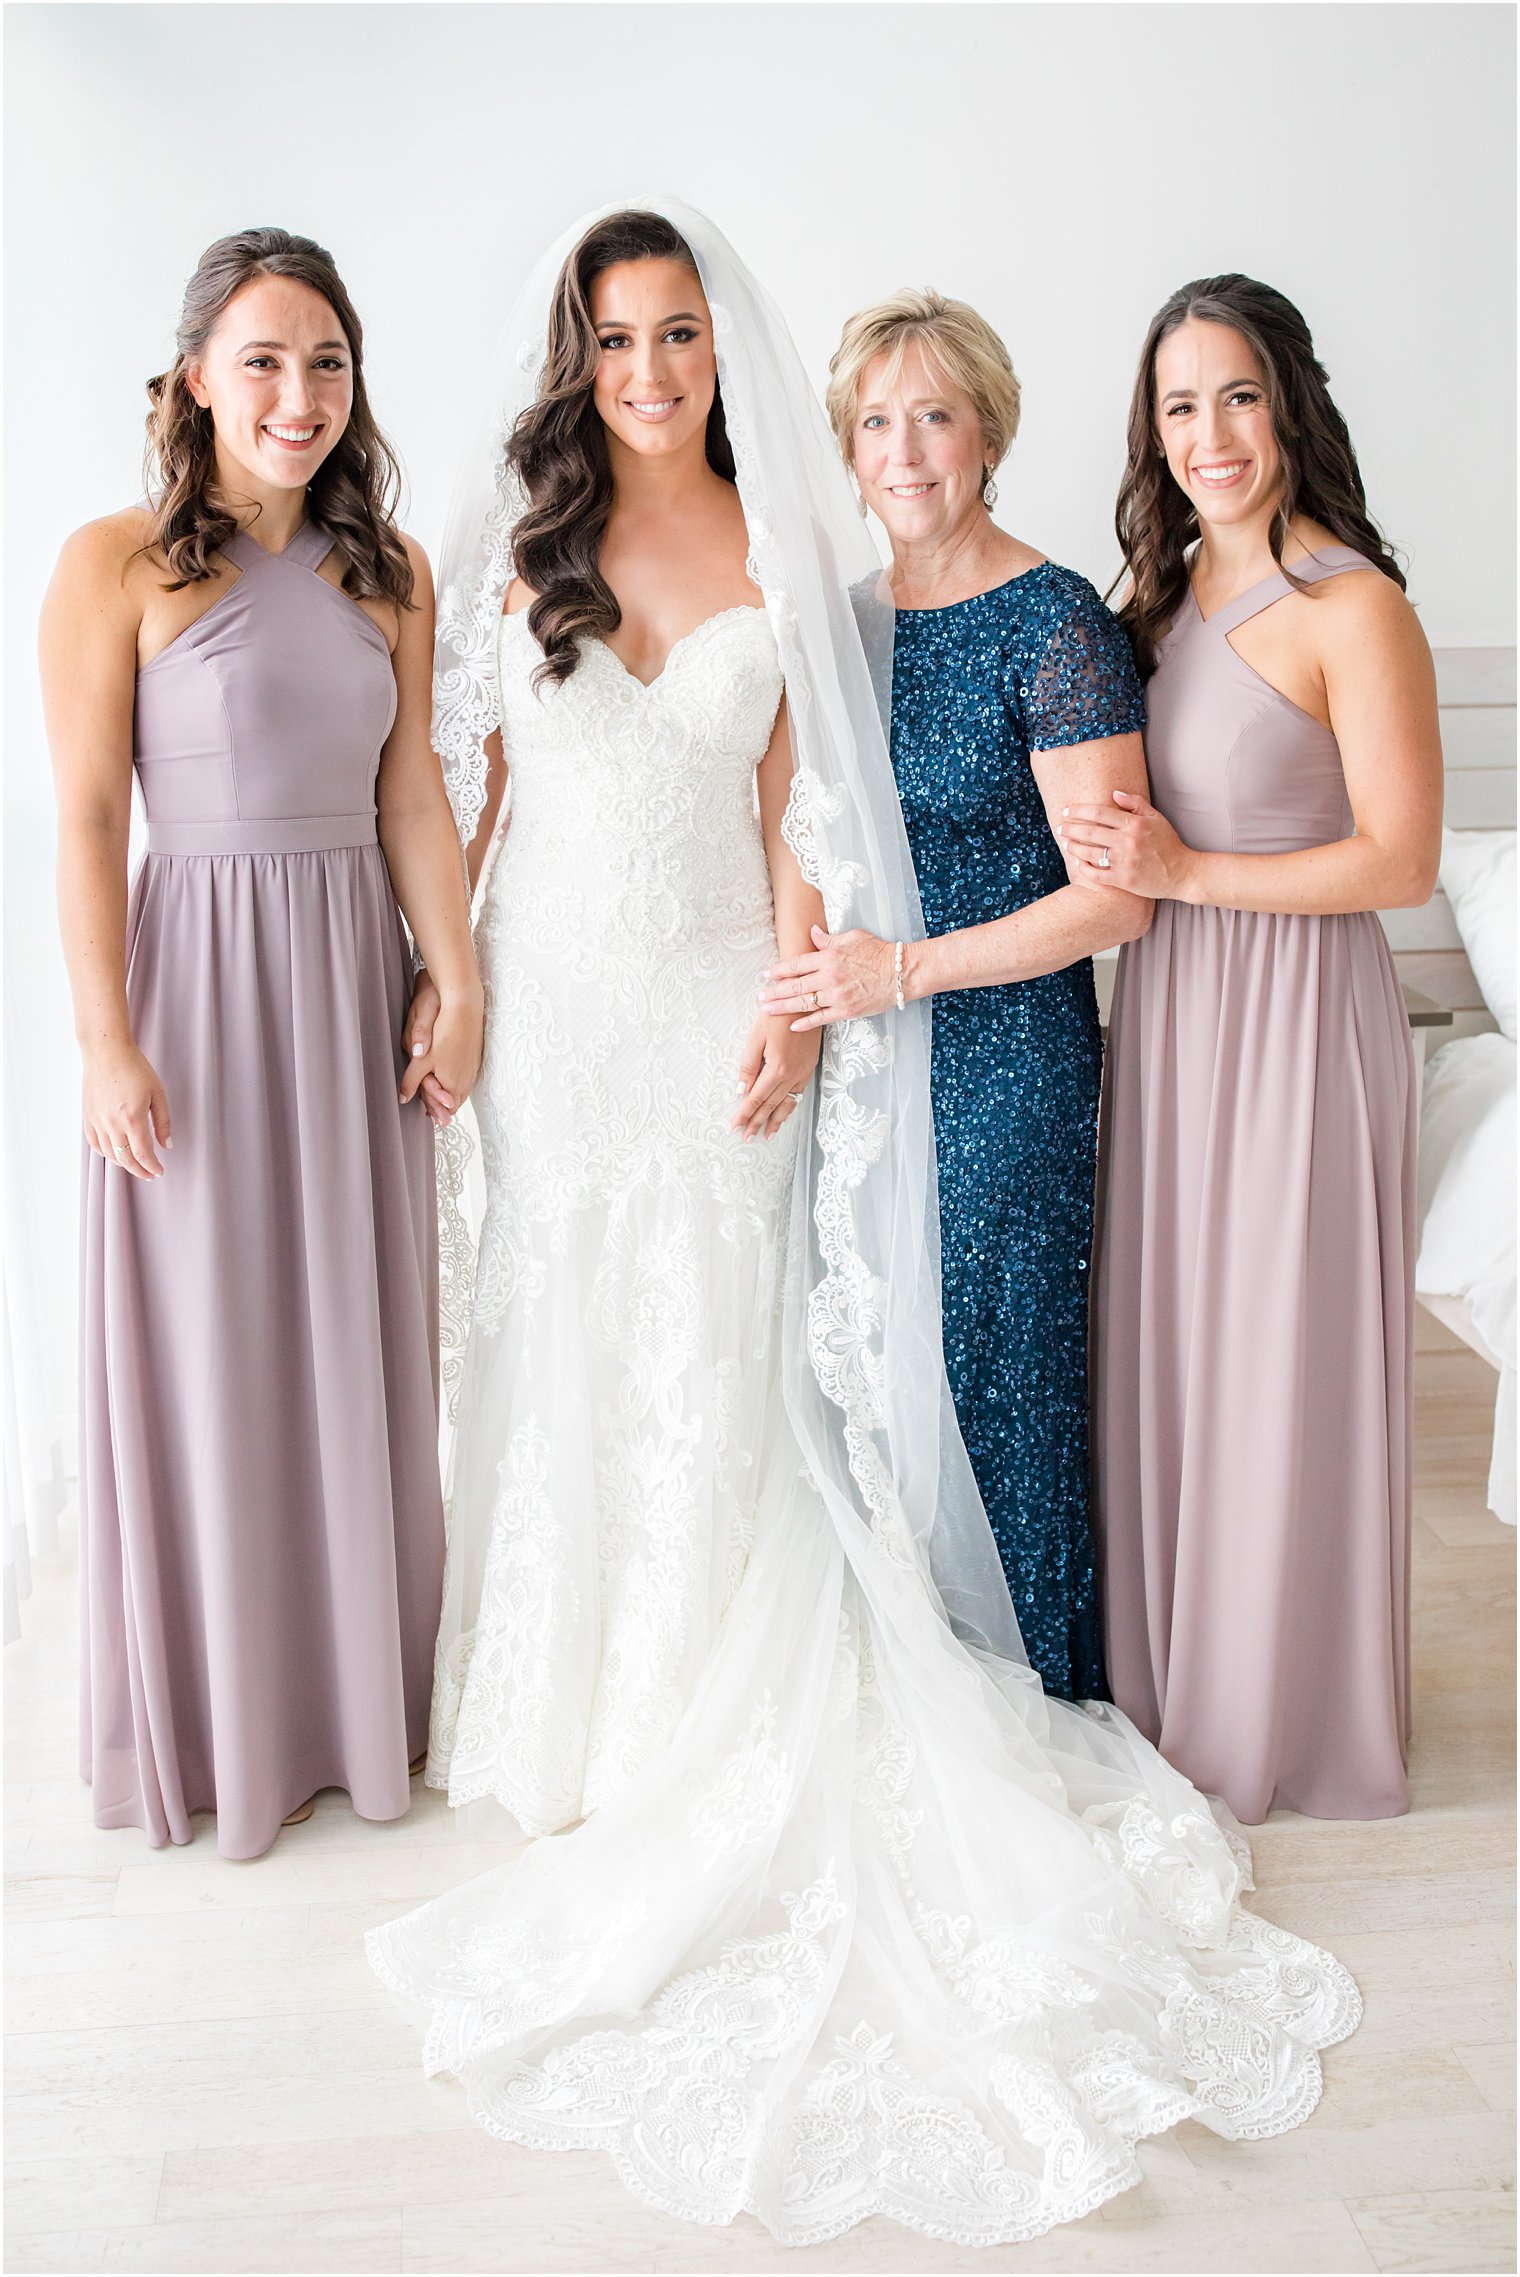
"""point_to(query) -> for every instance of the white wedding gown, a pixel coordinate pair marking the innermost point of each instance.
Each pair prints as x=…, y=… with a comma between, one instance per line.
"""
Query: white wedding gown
x=857, y=1922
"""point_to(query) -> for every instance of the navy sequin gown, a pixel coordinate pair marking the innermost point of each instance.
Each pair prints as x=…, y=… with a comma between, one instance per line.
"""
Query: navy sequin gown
x=1033, y=665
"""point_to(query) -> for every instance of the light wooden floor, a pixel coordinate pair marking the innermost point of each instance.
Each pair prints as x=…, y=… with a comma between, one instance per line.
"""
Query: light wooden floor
x=203, y=2075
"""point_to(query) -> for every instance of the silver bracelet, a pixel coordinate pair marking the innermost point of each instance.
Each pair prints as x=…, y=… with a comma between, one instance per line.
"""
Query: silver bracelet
x=897, y=974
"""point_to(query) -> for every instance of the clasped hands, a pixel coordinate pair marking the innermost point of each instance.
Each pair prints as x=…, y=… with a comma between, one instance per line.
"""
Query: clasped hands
x=442, y=1043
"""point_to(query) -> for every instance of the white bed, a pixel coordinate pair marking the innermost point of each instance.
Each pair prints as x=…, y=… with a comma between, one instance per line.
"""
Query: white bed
x=1465, y=1269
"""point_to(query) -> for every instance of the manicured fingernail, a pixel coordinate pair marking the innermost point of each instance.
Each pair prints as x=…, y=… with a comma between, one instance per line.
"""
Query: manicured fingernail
x=1066, y=810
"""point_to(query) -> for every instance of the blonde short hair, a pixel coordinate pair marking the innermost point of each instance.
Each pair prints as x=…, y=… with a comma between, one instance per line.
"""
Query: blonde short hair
x=952, y=336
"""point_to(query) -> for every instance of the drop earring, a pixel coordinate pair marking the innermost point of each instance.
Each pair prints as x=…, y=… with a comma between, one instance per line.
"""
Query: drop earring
x=989, y=489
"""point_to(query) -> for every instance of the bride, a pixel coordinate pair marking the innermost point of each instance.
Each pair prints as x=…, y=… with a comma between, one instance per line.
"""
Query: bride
x=837, y=1914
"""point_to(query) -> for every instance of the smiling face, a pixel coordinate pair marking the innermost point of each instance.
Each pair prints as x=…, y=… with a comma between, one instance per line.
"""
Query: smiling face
x=277, y=377
x=658, y=373
x=1215, y=423
x=919, y=447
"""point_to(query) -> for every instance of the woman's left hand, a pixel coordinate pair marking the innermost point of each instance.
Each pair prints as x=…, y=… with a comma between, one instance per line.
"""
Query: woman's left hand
x=1143, y=852
x=444, y=1045
x=774, y=1073
x=848, y=977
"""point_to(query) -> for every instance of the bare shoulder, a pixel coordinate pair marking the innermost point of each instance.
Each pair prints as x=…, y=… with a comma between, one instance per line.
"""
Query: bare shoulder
x=107, y=576
x=1370, y=647
x=1364, y=607
x=517, y=598
x=422, y=568
x=104, y=553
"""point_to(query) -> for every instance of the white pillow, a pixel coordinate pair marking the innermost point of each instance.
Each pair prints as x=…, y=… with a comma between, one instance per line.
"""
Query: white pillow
x=1478, y=879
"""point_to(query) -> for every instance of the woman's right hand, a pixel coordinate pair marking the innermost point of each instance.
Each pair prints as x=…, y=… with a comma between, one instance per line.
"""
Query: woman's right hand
x=125, y=1109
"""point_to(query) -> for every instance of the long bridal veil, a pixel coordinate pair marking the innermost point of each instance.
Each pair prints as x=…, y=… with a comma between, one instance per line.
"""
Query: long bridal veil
x=884, y=1930
x=865, y=1377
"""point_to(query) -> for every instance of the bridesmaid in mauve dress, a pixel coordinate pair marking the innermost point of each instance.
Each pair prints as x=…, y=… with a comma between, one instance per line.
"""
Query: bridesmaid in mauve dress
x=261, y=1534
x=1253, y=1284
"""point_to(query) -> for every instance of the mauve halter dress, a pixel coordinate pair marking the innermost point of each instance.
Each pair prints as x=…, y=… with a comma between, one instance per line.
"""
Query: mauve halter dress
x=261, y=1524
x=1254, y=1279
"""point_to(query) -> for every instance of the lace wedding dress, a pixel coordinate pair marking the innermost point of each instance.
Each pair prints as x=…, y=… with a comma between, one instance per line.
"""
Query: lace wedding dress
x=620, y=1425
x=858, y=1921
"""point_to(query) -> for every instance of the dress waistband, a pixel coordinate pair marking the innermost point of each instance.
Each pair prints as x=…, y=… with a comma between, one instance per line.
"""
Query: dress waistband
x=280, y=834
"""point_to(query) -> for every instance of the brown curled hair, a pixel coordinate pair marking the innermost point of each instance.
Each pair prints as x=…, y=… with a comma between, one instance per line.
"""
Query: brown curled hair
x=354, y=492
x=1156, y=521
x=558, y=449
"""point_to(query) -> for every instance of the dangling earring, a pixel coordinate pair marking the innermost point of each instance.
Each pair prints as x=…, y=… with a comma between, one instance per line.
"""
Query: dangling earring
x=860, y=501
x=989, y=488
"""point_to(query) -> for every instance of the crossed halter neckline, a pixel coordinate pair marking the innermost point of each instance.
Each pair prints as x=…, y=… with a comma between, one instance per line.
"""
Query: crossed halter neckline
x=308, y=549
x=1328, y=560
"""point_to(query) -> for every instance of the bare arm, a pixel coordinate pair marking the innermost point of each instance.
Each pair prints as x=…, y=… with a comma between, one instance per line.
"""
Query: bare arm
x=853, y=974
x=777, y=1066
x=88, y=656
x=422, y=853
x=496, y=759
x=417, y=1036
x=496, y=791
x=1380, y=696
x=798, y=906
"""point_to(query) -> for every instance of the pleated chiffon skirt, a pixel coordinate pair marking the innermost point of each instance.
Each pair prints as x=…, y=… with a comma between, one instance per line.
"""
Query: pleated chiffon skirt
x=1253, y=1302
x=261, y=1517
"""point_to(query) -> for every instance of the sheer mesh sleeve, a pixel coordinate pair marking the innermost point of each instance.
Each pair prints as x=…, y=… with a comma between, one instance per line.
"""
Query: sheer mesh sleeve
x=1083, y=685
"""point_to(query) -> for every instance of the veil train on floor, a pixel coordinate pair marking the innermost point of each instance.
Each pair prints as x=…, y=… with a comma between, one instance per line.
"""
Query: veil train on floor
x=884, y=1930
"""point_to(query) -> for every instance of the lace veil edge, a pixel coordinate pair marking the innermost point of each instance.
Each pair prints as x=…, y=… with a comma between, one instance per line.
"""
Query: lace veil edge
x=863, y=1356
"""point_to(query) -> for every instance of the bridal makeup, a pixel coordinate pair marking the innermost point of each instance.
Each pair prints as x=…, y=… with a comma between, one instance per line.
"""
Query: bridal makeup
x=658, y=373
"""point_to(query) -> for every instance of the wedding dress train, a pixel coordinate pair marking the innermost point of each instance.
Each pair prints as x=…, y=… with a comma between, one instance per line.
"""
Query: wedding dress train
x=859, y=1922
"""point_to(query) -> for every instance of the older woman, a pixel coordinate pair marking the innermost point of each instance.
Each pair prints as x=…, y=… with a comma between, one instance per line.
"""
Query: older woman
x=1013, y=694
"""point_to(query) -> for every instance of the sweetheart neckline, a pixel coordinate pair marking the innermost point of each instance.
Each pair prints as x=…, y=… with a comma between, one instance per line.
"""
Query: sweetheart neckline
x=647, y=687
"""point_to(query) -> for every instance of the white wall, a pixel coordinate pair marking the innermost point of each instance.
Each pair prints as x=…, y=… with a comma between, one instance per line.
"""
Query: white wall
x=1064, y=167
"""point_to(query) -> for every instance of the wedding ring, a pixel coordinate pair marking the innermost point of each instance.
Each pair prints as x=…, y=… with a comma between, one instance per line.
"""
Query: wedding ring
x=1103, y=862
x=810, y=1001
x=120, y=1153
x=794, y=1096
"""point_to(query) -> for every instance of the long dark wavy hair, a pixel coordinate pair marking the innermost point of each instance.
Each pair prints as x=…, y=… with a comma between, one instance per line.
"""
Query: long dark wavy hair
x=353, y=493
x=558, y=449
x=1155, y=520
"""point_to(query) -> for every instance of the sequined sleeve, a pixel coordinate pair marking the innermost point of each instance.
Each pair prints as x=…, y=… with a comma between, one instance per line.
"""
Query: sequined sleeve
x=1082, y=686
